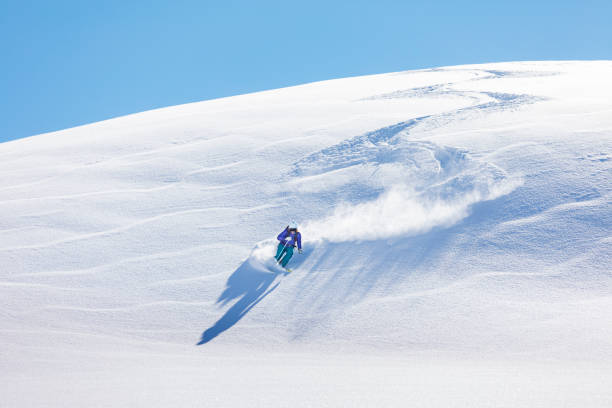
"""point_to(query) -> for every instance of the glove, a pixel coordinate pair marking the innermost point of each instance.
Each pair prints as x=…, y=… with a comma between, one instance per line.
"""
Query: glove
x=299, y=251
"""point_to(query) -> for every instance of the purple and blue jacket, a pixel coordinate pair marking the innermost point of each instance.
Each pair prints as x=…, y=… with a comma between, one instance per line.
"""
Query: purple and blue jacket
x=289, y=238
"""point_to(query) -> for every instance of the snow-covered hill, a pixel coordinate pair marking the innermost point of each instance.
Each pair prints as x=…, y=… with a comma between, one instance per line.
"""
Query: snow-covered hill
x=456, y=222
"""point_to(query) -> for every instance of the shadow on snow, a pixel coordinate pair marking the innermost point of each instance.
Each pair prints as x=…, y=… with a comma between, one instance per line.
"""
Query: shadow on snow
x=250, y=285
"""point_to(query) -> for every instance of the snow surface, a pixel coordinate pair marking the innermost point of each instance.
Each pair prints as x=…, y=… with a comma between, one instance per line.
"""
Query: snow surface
x=457, y=247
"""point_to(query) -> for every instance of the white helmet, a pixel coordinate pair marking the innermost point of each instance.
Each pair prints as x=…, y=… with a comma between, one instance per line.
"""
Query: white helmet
x=293, y=225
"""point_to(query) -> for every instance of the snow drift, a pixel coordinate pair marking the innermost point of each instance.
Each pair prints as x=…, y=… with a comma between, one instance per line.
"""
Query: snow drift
x=453, y=213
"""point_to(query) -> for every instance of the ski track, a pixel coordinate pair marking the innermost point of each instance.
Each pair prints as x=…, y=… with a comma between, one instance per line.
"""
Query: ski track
x=514, y=265
x=385, y=135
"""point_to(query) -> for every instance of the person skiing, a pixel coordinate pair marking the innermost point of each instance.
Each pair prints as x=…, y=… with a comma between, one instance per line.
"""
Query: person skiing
x=288, y=239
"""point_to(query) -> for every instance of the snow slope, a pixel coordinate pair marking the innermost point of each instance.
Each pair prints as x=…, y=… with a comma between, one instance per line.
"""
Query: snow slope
x=456, y=223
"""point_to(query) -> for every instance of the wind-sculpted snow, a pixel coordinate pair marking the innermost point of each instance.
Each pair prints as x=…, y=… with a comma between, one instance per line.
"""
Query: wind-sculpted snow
x=459, y=213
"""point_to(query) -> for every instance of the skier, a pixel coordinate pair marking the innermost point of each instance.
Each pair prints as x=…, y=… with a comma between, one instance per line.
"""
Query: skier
x=288, y=239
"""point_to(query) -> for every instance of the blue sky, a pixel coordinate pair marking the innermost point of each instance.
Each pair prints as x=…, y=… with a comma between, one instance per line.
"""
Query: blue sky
x=67, y=63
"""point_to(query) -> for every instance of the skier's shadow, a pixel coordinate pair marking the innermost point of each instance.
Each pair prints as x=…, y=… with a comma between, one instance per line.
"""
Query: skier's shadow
x=251, y=286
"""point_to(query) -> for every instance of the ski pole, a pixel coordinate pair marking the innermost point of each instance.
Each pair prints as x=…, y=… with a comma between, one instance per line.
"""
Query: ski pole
x=283, y=253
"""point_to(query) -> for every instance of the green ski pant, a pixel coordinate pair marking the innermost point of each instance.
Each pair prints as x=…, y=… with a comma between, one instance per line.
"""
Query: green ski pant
x=284, y=252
